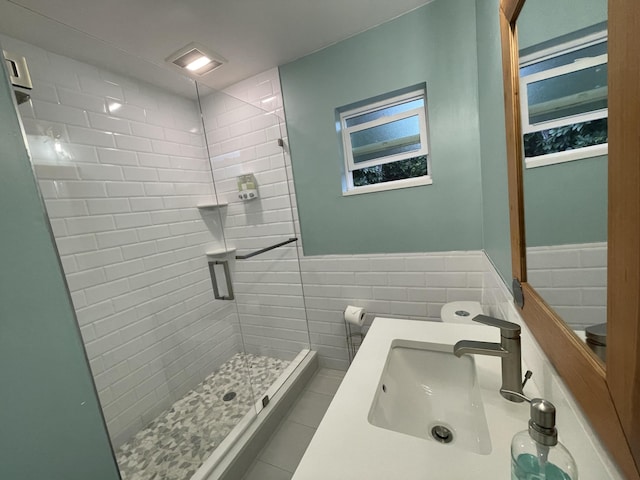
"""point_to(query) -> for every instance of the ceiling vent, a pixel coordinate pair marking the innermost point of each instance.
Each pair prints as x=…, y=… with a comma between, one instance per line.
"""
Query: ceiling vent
x=196, y=60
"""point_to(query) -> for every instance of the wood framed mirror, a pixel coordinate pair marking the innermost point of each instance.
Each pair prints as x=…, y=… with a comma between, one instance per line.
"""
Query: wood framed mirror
x=609, y=396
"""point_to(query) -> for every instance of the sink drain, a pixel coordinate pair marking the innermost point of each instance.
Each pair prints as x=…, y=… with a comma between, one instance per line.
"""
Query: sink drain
x=462, y=313
x=442, y=434
x=229, y=396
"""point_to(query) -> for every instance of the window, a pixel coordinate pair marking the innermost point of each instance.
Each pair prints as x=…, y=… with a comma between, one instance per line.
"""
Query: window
x=385, y=143
x=564, y=101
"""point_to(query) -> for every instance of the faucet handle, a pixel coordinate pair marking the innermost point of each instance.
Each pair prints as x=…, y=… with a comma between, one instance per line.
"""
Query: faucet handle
x=507, y=329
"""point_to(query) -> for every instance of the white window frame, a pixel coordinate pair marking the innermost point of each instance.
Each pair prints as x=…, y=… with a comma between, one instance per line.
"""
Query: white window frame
x=350, y=165
x=527, y=127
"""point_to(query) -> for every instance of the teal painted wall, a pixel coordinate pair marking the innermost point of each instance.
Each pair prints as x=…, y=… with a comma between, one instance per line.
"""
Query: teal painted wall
x=435, y=44
x=541, y=20
x=50, y=421
x=564, y=203
x=496, y=234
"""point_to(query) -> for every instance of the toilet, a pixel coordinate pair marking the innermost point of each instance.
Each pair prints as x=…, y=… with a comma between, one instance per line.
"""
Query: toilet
x=460, y=312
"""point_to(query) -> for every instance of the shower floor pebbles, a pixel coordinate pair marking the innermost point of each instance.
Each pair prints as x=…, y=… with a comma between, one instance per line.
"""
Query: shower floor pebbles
x=176, y=443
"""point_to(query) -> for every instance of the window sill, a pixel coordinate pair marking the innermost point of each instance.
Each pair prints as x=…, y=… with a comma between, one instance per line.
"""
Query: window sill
x=381, y=187
x=567, y=156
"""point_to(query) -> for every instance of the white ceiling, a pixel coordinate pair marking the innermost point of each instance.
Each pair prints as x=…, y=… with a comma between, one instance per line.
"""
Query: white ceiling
x=252, y=35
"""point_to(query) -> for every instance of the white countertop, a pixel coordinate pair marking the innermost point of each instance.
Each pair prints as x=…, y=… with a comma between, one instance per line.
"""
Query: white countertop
x=347, y=446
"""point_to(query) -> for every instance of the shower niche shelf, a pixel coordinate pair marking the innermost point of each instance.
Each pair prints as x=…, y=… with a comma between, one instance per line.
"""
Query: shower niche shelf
x=211, y=205
x=219, y=252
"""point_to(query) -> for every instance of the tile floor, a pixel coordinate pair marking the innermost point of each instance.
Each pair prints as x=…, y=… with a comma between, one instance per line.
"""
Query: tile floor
x=176, y=443
x=284, y=450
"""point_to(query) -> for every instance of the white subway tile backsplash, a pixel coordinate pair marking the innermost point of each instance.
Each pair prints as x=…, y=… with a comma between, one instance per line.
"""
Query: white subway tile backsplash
x=154, y=160
x=54, y=112
x=92, y=224
x=102, y=206
x=117, y=157
x=99, y=172
x=166, y=148
x=106, y=291
x=86, y=279
x=108, y=123
x=86, y=136
x=57, y=172
x=99, y=258
x=129, y=111
x=129, y=142
x=76, y=244
x=125, y=189
x=453, y=280
x=147, y=131
x=94, y=312
x=66, y=208
x=146, y=204
x=72, y=189
x=124, y=269
x=99, y=87
x=390, y=293
x=140, y=174
x=73, y=98
x=407, y=279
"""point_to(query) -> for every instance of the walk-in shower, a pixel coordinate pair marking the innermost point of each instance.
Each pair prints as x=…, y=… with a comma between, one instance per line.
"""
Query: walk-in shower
x=191, y=320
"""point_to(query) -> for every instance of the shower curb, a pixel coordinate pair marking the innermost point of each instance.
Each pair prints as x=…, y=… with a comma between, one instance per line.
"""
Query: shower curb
x=242, y=454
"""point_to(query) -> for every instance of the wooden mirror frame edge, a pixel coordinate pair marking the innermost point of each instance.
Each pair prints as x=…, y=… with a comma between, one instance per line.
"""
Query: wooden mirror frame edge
x=609, y=399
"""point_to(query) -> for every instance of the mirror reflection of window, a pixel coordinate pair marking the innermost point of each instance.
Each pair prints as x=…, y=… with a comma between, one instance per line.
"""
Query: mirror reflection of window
x=563, y=85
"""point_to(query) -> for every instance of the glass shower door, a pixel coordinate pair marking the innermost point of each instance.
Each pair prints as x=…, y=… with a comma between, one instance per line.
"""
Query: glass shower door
x=122, y=167
x=253, y=181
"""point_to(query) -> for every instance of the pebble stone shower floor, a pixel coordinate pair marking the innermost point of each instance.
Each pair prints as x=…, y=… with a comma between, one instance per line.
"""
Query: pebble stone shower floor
x=176, y=443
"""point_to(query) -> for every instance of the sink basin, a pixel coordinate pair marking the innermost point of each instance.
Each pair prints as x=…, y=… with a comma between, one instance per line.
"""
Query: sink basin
x=426, y=391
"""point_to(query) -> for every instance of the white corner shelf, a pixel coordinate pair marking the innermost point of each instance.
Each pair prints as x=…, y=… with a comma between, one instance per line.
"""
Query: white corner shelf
x=218, y=252
x=206, y=205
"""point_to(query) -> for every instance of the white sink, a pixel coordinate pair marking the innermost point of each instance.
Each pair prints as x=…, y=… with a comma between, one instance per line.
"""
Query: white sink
x=424, y=387
x=368, y=433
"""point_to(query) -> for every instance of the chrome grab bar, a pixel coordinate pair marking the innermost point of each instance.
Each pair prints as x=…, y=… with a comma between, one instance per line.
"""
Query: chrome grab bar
x=258, y=252
x=214, y=280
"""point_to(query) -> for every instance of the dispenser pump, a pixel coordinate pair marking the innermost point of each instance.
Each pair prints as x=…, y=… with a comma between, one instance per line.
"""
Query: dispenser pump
x=542, y=424
x=536, y=452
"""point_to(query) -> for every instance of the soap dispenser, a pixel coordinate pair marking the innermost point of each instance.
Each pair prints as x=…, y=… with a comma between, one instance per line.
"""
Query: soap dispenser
x=536, y=453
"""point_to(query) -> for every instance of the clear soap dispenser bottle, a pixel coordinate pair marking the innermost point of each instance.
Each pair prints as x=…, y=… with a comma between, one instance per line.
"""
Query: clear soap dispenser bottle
x=536, y=453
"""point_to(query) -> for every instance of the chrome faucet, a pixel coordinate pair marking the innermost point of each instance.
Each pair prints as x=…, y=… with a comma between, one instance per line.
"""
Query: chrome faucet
x=508, y=349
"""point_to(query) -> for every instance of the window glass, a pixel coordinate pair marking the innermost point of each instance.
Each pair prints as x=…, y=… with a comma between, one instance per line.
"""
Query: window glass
x=386, y=139
x=385, y=143
x=564, y=103
x=565, y=59
x=570, y=94
x=384, y=112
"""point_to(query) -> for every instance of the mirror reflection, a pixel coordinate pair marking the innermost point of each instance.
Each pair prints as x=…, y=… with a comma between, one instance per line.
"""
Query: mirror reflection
x=563, y=92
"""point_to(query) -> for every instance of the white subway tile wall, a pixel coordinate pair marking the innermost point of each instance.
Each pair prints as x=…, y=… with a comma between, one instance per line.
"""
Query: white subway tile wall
x=122, y=165
x=572, y=279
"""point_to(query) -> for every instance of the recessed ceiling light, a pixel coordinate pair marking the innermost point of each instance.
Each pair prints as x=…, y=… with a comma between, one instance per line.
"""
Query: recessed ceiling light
x=196, y=59
x=198, y=64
